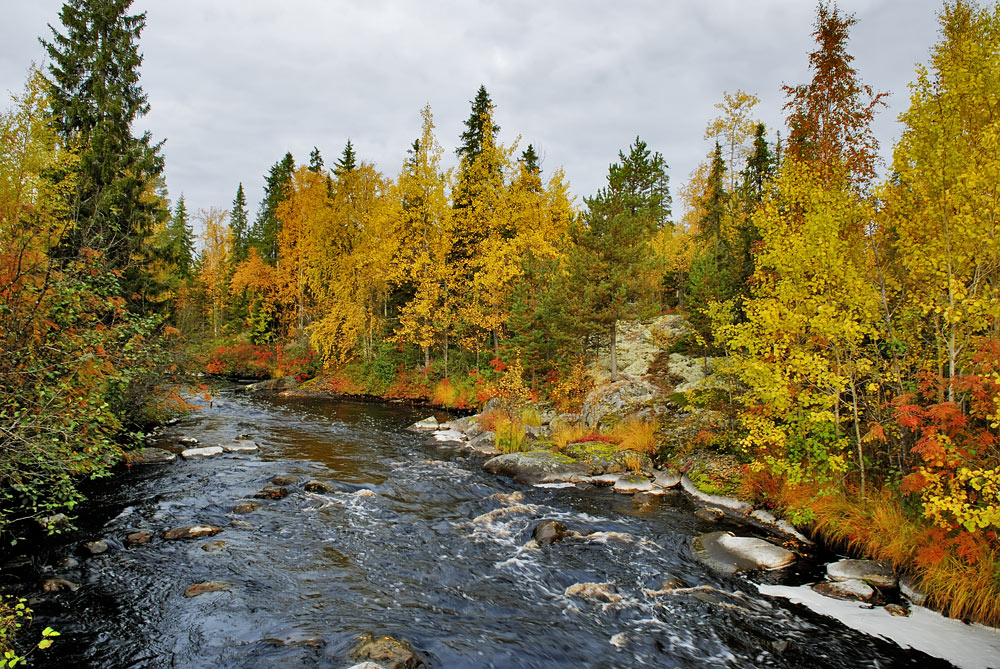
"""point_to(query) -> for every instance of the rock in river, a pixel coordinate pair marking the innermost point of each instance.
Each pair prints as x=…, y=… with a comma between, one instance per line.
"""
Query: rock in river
x=537, y=467
x=149, y=456
x=138, y=538
x=386, y=652
x=96, y=547
x=729, y=554
x=595, y=592
x=58, y=585
x=320, y=487
x=875, y=573
x=429, y=423
x=191, y=532
x=272, y=492
x=549, y=531
x=199, y=453
x=284, y=479
x=851, y=590
x=240, y=446
x=207, y=586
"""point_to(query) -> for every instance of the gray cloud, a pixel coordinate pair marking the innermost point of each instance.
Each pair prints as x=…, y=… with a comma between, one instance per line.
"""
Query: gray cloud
x=234, y=84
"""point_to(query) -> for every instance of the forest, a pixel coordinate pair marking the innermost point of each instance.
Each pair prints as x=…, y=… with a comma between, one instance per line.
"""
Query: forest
x=851, y=297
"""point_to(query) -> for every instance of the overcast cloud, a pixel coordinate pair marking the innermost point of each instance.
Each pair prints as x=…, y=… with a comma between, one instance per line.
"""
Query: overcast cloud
x=234, y=84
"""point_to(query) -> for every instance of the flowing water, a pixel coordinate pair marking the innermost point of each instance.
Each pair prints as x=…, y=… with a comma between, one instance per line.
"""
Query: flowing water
x=418, y=543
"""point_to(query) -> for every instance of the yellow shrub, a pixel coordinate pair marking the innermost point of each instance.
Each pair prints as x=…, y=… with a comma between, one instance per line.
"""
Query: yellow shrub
x=637, y=435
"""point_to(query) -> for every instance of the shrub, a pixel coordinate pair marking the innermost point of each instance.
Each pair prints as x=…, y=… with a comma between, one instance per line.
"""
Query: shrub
x=510, y=436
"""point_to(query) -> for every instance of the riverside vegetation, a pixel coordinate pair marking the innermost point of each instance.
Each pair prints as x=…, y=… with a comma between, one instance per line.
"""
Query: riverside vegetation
x=853, y=320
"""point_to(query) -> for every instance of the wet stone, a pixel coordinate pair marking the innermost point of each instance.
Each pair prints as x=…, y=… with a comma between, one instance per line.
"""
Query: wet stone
x=320, y=487
x=595, y=592
x=139, y=538
x=187, y=440
x=645, y=500
x=246, y=506
x=201, y=453
x=897, y=610
x=667, y=479
x=386, y=652
x=240, y=446
x=729, y=554
x=548, y=532
x=67, y=563
x=852, y=590
x=207, y=586
x=709, y=514
x=149, y=456
x=272, y=492
x=96, y=547
x=59, y=585
x=908, y=588
x=429, y=423
x=191, y=532
x=630, y=484
x=284, y=479
x=213, y=546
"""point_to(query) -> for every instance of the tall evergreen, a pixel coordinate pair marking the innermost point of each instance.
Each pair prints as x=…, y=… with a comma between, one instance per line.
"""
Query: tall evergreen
x=264, y=236
x=239, y=224
x=315, y=160
x=348, y=160
x=180, y=240
x=96, y=99
x=612, y=260
x=479, y=135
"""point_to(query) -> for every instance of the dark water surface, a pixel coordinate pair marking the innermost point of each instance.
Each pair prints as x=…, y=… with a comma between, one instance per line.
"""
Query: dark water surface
x=437, y=556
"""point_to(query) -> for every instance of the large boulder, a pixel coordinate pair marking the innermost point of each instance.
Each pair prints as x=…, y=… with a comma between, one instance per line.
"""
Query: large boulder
x=729, y=554
x=851, y=590
x=600, y=456
x=876, y=573
x=541, y=466
x=637, y=345
x=549, y=532
x=692, y=372
x=612, y=402
x=272, y=386
x=201, y=453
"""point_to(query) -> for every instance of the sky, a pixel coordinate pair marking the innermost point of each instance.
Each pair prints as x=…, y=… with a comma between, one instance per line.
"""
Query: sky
x=234, y=84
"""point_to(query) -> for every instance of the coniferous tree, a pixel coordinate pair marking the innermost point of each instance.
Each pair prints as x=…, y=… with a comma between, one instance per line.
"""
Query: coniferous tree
x=96, y=98
x=315, y=160
x=612, y=262
x=267, y=226
x=239, y=224
x=348, y=160
x=180, y=240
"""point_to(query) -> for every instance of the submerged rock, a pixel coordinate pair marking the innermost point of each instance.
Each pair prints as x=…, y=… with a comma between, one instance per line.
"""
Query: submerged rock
x=272, y=492
x=897, y=610
x=595, y=592
x=246, y=506
x=284, y=479
x=200, y=453
x=213, y=546
x=191, y=532
x=387, y=652
x=876, y=573
x=851, y=590
x=96, y=547
x=59, y=585
x=138, y=538
x=541, y=466
x=729, y=554
x=149, y=456
x=207, y=586
x=548, y=532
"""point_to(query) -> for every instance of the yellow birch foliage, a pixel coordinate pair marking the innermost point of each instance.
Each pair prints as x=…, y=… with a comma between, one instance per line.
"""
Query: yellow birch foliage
x=809, y=319
x=215, y=262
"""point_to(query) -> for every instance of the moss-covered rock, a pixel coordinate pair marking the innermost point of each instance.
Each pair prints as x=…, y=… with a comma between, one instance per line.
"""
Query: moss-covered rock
x=605, y=458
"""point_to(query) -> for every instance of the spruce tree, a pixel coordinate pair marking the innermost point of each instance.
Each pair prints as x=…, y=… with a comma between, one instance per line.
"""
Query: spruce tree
x=180, y=240
x=612, y=261
x=348, y=160
x=315, y=160
x=239, y=224
x=96, y=99
x=480, y=133
x=264, y=236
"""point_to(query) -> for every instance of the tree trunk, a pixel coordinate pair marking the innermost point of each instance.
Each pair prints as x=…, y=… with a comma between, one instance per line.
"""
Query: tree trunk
x=614, y=351
x=427, y=357
x=446, y=354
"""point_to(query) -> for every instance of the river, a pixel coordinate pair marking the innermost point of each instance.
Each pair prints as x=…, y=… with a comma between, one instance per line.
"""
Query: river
x=418, y=543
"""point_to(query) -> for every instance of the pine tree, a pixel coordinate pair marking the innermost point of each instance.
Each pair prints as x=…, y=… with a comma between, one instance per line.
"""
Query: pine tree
x=348, y=160
x=96, y=98
x=267, y=226
x=239, y=225
x=612, y=261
